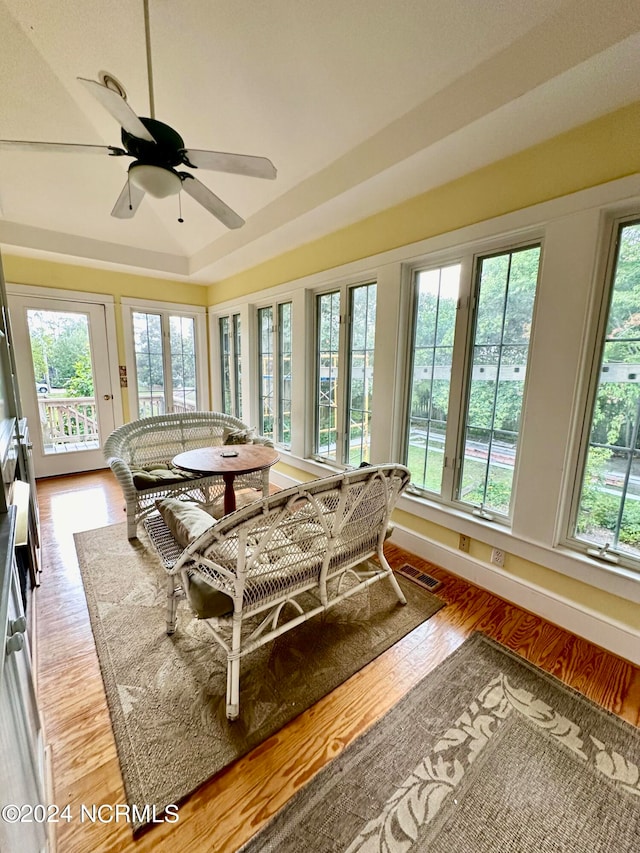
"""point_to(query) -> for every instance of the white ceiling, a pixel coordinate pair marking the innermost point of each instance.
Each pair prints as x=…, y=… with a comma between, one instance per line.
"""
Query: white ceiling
x=360, y=104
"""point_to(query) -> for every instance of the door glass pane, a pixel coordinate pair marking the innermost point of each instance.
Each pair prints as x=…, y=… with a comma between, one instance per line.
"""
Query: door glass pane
x=328, y=336
x=505, y=297
x=436, y=299
x=147, y=334
x=363, y=334
x=64, y=377
x=183, y=364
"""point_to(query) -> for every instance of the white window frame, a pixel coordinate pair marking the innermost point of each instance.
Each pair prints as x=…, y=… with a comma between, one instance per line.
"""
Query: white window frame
x=570, y=227
x=344, y=290
x=234, y=321
x=274, y=307
x=604, y=281
x=165, y=309
x=461, y=367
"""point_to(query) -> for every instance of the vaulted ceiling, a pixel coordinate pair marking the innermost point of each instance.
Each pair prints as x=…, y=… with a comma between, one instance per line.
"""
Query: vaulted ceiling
x=360, y=104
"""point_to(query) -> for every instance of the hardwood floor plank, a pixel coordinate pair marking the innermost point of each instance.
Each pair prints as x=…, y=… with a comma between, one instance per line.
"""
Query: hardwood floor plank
x=229, y=808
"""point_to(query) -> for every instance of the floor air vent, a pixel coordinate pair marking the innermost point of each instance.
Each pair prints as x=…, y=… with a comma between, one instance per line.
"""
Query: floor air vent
x=419, y=577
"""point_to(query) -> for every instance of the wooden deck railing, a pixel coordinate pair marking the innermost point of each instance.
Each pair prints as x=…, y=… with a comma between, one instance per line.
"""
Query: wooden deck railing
x=74, y=420
x=67, y=420
x=155, y=405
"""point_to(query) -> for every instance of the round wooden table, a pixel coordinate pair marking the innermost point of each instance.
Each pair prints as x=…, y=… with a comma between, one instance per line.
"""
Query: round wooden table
x=227, y=460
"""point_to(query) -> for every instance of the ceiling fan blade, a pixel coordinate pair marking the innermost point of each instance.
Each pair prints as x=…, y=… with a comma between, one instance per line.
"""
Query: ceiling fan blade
x=238, y=164
x=128, y=201
x=119, y=109
x=63, y=147
x=211, y=202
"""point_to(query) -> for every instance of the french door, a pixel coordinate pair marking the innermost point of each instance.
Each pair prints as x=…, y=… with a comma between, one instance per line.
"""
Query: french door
x=64, y=376
x=166, y=357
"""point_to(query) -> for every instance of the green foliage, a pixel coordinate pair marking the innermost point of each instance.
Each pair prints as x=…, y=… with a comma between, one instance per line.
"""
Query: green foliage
x=58, y=341
x=81, y=383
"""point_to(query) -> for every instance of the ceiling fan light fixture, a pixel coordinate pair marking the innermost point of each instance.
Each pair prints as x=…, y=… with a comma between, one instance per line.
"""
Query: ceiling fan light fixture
x=155, y=180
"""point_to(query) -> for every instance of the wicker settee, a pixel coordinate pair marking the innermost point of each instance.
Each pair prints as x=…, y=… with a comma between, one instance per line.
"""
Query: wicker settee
x=140, y=452
x=278, y=561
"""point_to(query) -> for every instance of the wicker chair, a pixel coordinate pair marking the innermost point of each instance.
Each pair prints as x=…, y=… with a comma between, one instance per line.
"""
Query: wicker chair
x=283, y=559
x=139, y=454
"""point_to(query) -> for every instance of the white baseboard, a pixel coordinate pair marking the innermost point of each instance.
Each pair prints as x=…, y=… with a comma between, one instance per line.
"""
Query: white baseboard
x=616, y=638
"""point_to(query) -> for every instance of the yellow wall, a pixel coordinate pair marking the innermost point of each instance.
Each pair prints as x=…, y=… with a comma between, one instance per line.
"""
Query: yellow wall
x=32, y=271
x=601, y=151
x=595, y=153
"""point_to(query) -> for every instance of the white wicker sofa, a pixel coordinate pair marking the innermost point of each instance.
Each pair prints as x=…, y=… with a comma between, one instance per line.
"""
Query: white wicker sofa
x=140, y=452
x=283, y=559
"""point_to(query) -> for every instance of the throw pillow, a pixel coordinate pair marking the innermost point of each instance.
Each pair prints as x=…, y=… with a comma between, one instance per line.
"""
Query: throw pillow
x=238, y=436
x=185, y=520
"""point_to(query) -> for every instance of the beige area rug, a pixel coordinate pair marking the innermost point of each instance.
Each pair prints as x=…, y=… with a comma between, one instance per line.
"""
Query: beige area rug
x=166, y=695
x=486, y=754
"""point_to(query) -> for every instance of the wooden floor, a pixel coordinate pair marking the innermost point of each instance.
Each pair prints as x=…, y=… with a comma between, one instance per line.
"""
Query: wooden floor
x=225, y=812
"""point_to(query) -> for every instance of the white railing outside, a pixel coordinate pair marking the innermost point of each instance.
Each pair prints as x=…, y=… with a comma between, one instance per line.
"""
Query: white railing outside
x=71, y=423
x=149, y=404
x=69, y=420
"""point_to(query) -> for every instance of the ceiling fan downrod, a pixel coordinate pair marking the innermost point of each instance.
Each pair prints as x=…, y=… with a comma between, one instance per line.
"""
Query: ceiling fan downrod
x=147, y=36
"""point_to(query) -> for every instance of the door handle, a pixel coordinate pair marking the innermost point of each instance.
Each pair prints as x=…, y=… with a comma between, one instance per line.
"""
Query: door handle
x=18, y=625
x=15, y=643
x=108, y=397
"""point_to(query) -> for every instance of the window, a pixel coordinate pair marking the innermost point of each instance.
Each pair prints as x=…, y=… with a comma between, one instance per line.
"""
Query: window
x=274, y=358
x=436, y=295
x=344, y=383
x=230, y=365
x=461, y=445
x=608, y=509
x=165, y=361
x=225, y=364
x=284, y=374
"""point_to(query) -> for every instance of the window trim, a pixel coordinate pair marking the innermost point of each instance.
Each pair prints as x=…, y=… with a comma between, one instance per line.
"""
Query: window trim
x=274, y=305
x=573, y=220
x=461, y=366
x=612, y=226
x=343, y=288
x=166, y=309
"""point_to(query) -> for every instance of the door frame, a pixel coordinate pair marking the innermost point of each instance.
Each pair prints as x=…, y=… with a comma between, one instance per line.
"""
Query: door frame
x=108, y=304
x=199, y=313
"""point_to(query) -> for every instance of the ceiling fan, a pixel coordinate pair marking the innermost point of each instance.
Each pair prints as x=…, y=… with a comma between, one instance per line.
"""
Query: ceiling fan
x=158, y=152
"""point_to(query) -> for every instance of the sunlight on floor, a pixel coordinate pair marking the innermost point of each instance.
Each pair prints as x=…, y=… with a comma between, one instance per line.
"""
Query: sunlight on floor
x=69, y=517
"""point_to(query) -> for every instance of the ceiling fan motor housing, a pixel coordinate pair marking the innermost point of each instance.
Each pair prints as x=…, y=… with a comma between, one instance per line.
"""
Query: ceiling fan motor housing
x=164, y=151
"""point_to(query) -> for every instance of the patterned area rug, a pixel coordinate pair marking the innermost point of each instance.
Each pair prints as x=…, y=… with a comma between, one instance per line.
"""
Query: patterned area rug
x=488, y=753
x=166, y=695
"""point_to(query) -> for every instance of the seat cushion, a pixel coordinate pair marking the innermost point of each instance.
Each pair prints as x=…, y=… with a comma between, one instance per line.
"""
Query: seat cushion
x=185, y=519
x=157, y=474
x=207, y=602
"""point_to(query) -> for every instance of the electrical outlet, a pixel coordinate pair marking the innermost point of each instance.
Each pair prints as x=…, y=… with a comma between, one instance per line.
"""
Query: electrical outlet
x=463, y=543
x=497, y=557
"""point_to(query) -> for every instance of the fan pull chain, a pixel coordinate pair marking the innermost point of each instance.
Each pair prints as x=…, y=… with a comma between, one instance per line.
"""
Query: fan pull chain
x=129, y=191
x=180, y=219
